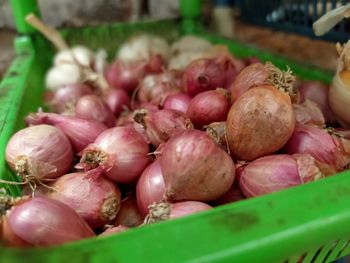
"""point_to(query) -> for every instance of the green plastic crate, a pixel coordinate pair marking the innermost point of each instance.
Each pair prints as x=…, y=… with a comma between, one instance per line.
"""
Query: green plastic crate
x=309, y=223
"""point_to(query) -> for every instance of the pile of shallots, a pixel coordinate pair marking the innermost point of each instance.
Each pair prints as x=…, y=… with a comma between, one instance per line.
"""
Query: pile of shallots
x=160, y=133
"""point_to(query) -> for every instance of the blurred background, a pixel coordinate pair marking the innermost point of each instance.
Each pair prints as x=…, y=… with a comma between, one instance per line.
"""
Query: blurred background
x=280, y=26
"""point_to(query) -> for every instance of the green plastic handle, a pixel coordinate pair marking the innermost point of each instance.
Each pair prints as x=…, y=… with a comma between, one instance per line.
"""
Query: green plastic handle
x=20, y=9
x=190, y=8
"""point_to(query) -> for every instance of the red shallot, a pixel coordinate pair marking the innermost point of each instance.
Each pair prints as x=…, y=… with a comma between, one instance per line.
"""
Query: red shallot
x=42, y=222
x=162, y=124
x=150, y=187
x=209, y=106
x=195, y=168
x=129, y=214
x=179, y=102
x=94, y=198
x=117, y=100
x=276, y=172
x=39, y=152
x=121, y=151
x=91, y=107
x=79, y=131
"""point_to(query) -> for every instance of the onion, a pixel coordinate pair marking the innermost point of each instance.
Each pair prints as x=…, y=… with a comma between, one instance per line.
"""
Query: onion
x=143, y=47
x=217, y=131
x=317, y=92
x=65, y=98
x=114, y=230
x=129, y=214
x=207, y=74
x=121, y=151
x=150, y=187
x=324, y=147
x=63, y=74
x=124, y=76
x=94, y=198
x=179, y=102
x=339, y=92
x=91, y=107
x=156, y=88
x=276, y=172
x=251, y=60
x=308, y=113
x=154, y=65
x=39, y=152
x=260, y=122
x=42, y=222
x=78, y=54
x=257, y=74
x=182, y=60
x=195, y=168
x=208, y=106
x=234, y=194
x=164, y=211
x=343, y=132
x=117, y=100
x=79, y=131
x=162, y=124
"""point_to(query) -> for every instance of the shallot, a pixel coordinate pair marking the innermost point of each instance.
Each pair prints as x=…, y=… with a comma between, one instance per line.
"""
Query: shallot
x=94, y=198
x=209, y=106
x=42, y=222
x=121, y=151
x=195, y=168
x=179, y=102
x=150, y=187
x=114, y=230
x=117, y=100
x=129, y=214
x=79, y=131
x=162, y=124
x=39, y=152
x=276, y=172
x=91, y=107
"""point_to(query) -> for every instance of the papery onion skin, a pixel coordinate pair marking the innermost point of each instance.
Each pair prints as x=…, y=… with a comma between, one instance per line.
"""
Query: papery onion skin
x=308, y=113
x=207, y=107
x=129, y=214
x=67, y=96
x=63, y=74
x=260, y=122
x=317, y=92
x=44, y=149
x=162, y=124
x=122, y=151
x=195, y=168
x=94, y=198
x=250, y=76
x=43, y=222
x=79, y=131
x=150, y=187
x=117, y=100
x=165, y=211
x=179, y=102
x=217, y=131
x=91, y=107
x=276, y=172
x=325, y=148
x=114, y=230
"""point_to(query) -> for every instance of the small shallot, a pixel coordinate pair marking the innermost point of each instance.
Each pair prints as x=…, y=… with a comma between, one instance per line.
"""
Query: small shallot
x=121, y=151
x=39, y=152
x=79, y=131
x=33, y=222
x=179, y=102
x=150, y=187
x=195, y=167
x=276, y=172
x=94, y=198
x=129, y=214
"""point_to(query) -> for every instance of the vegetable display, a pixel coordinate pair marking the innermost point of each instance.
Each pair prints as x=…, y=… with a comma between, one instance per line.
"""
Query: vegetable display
x=162, y=132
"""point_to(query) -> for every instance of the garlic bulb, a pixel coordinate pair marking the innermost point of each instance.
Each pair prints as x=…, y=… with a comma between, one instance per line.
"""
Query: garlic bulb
x=63, y=74
x=142, y=47
x=78, y=54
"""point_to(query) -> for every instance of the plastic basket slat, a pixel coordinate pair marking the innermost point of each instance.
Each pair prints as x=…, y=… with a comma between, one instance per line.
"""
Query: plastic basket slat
x=294, y=259
x=325, y=252
x=336, y=252
x=345, y=251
